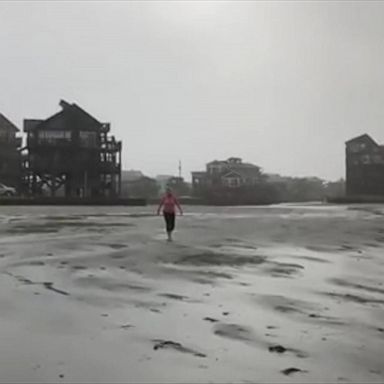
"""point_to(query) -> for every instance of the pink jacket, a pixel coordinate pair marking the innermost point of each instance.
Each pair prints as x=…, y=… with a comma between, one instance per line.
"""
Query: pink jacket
x=169, y=204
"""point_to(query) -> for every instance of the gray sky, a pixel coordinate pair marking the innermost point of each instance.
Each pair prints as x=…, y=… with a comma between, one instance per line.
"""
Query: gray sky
x=280, y=84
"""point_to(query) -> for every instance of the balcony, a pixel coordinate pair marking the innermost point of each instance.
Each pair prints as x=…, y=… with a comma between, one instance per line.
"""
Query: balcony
x=105, y=127
x=109, y=167
x=111, y=146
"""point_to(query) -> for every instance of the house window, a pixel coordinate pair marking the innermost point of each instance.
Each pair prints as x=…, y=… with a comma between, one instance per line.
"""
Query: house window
x=232, y=182
x=88, y=139
x=213, y=169
x=377, y=159
x=53, y=137
x=357, y=147
x=366, y=159
x=6, y=136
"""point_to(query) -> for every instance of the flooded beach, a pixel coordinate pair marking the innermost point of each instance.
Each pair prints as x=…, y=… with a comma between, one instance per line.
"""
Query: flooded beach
x=285, y=293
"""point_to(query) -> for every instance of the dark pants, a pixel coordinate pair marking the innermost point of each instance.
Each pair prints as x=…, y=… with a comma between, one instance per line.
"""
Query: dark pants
x=169, y=221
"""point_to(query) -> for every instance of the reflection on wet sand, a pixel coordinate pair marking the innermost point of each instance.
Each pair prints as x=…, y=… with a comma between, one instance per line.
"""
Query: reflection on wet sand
x=269, y=294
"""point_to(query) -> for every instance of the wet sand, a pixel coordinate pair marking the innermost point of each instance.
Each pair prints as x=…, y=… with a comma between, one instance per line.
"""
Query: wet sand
x=267, y=294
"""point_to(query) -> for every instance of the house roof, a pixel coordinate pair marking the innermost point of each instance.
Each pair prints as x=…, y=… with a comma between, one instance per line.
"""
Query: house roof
x=232, y=174
x=7, y=125
x=71, y=115
x=214, y=162
x=235, y=164
x=81, y=111
x=362, y=138
x=31, y=124
x=232, y=162
x=248, y=171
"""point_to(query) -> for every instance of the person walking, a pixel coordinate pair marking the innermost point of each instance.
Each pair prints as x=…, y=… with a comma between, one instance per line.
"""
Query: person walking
x=168, y=205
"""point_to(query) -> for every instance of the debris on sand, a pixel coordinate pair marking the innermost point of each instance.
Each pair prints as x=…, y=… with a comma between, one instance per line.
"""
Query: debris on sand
x=48, y=285
x=234, y=332
x=219, y=259
x=290, y=371
x=281, y=349
x=78, y=267
x=210, y=319
x=277, y=349
x=174, y=296
x=36, y=263
x=168, y=344
x=354, y=298
x=127, y=326
x=165, y=344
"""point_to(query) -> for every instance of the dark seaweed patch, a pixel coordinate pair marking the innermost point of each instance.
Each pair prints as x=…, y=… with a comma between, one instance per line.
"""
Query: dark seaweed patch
x=168, y=344
x=344, y=283
x=213, y=258
x=354, y=298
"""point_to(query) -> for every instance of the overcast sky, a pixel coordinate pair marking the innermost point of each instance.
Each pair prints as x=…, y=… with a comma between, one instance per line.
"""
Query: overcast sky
x=280, y=84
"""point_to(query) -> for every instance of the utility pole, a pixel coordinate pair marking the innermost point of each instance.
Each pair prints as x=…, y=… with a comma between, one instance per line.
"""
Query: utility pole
x=180, y=169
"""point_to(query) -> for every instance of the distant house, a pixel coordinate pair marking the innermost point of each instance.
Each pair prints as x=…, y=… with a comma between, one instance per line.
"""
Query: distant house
x=71, y=153
x=131, y=175
x=10, y=143
x=137, y=185
x=179, y=186
x=364, y=167
x=276, y=178
x=226, y=174
x=162, y=181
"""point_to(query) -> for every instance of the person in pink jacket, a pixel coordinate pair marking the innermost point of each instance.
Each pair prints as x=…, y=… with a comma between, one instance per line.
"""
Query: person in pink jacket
x=168, y=204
